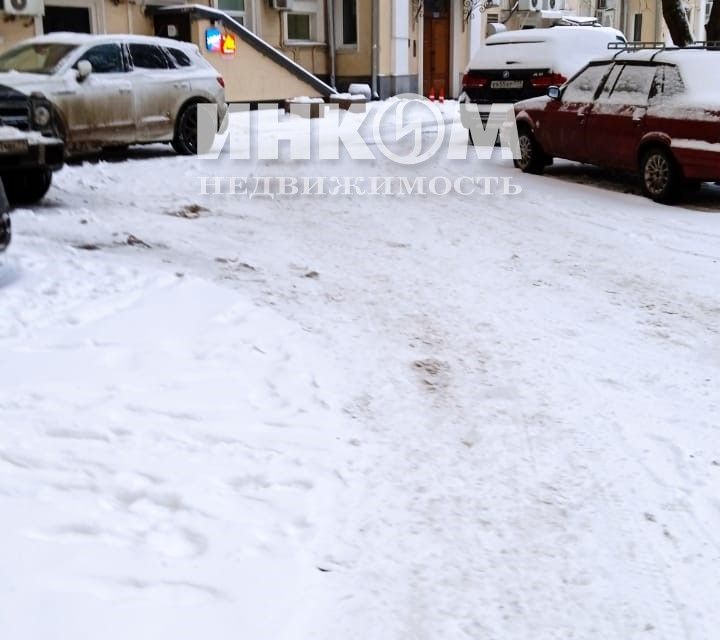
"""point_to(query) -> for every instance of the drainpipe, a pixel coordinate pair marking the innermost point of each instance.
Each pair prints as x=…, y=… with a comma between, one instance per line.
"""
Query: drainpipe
x=330, y=9
x=658, y=13
x=374, y=59
x=624, y=17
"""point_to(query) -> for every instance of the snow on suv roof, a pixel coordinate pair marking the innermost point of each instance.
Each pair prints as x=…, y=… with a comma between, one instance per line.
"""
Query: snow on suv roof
x=563, y=50
x=555, y=34
x=81, y=39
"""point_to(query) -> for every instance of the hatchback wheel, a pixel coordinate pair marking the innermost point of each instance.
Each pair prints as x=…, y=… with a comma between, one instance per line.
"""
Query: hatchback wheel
x=185, y=141
x=532, y=158
x=661, y=177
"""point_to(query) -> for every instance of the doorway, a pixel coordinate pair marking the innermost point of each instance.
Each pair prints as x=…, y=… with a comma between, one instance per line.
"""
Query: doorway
x=173, y=25
x=76, y=19
x=436, y=47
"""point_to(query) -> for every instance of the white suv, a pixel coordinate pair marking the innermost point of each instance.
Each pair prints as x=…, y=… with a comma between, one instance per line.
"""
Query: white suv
x=108, y=91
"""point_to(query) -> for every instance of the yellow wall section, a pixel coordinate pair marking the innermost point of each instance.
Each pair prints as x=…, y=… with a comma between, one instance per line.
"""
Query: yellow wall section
x=356, y=61
x=251, y=76
x=15, y=30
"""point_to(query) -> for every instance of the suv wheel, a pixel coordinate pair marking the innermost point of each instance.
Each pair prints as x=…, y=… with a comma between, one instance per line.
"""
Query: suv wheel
x=532, y=158
x=185, y=141
x=28, y=186
x=660, y=175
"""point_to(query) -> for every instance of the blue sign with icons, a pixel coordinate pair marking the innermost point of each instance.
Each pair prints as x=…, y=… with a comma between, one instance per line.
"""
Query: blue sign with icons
x=213, y=39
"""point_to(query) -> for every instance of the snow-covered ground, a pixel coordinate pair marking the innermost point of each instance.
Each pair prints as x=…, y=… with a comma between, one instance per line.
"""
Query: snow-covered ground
x=382, y=417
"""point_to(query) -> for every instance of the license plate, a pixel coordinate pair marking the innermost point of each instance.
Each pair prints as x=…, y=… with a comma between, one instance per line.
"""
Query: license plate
x=506, y=84
x=13, y=146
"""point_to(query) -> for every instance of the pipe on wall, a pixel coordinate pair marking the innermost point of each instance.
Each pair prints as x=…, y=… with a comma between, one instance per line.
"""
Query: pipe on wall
x=330, y=25
x=374, y=53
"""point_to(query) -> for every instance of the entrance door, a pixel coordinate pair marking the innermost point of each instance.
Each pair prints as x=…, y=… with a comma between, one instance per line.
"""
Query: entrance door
x=436, y=48
x=75, y=19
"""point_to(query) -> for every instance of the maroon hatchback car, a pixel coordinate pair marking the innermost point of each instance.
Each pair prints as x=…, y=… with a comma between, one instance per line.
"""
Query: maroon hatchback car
x=651, y=111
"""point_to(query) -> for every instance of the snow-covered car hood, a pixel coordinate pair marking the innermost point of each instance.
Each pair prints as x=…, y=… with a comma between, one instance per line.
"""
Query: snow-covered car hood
x=29, y=82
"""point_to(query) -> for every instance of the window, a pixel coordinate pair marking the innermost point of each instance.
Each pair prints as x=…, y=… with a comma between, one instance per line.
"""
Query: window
x=610, y=82
x=584, y=86
x=633, y=86
x=637, y=27
x=105, y=58
x=236, y=8
x=667, y=83
x=298, y=26
x=349, y=22
x=180, y=58
x=146, y=56
x=35, y=58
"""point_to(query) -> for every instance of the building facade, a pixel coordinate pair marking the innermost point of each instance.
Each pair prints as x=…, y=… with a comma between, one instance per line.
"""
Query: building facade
x=396, y=46
x=411, y=46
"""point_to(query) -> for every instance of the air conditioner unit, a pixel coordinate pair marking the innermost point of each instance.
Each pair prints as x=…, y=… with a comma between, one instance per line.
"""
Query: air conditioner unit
x=24, y=7
x=282, y=5
x=557, y=5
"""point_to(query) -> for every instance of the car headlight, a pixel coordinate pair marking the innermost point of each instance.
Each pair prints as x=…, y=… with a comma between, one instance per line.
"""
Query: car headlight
x=41, y=116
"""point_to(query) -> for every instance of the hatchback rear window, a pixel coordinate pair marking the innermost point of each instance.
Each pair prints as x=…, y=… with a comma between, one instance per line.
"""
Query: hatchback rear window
x=668, y=82
x=633, y=85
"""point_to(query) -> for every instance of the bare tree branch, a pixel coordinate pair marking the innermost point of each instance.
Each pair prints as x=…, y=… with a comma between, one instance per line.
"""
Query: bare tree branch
x=677, y=22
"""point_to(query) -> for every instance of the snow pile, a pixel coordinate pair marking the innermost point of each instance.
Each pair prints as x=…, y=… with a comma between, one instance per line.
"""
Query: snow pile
x=167, y=455
x=305, y=100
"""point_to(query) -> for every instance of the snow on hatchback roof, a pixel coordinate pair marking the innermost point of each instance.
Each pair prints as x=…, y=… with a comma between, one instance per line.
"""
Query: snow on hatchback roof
x=81, y=39
x=562, y=49
x=700, y=73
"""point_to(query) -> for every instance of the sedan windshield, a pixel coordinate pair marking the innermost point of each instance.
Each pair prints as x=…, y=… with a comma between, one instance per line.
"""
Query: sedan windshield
x=35, y=58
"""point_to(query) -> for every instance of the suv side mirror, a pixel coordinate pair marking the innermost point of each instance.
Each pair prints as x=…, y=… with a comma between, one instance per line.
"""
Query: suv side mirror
x=84, y=69
x=554, y=92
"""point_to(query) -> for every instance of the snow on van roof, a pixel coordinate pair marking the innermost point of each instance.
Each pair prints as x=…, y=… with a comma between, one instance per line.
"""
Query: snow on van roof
x=564, y=50
x=80, y=39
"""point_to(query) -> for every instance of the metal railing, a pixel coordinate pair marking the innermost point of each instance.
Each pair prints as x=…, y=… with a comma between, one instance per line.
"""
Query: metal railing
x=640, y=46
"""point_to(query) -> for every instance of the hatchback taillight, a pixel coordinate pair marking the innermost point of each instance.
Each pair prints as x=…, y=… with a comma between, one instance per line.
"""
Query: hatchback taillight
x=545, y=80
x=221, y=81
x=471, y=80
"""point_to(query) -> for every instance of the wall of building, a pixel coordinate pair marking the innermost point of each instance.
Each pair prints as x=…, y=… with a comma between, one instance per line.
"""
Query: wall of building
x=13, y=30
x=400, y=47
x=249, y=75
x=270, y=26
x=106, y=17
x=354, y=63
